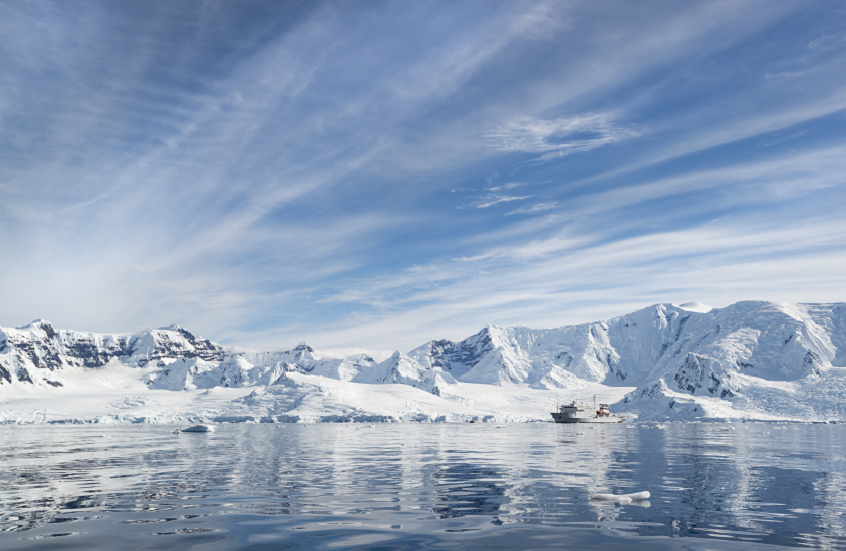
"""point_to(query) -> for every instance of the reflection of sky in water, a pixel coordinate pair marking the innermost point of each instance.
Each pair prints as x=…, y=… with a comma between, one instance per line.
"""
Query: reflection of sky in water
x=418, y=486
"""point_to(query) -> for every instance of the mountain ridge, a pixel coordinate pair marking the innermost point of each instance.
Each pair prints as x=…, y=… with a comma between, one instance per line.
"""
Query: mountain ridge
x=685, y=361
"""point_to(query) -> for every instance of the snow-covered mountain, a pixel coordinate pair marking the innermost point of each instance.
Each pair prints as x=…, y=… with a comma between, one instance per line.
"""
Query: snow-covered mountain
x=253, y=368
x=749, y=360
x=401, y=369
x=755, y=359
x=170, y=358
x=37, y=353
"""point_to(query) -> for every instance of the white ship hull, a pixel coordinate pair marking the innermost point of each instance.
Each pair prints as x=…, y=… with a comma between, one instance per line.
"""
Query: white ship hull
x=580, y=413
x=565, y=418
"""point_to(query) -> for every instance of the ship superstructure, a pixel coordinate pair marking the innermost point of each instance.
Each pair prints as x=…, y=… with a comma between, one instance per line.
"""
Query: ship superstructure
x=582, y=413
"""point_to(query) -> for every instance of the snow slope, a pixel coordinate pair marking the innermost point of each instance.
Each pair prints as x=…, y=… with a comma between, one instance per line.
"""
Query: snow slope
x=114, y=394
x=750, y=360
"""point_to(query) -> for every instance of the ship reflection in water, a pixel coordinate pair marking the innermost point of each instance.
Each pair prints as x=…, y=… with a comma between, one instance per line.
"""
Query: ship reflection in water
x=423, y=486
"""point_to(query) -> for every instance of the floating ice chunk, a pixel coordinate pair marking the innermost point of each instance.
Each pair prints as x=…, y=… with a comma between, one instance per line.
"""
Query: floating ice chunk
x=611, y=497
x=627, y=498
x=638, y=496
x=199, y=428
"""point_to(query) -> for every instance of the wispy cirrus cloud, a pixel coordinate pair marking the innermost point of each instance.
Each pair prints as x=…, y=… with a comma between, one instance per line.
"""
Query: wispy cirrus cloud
x=559, y=137
x=537, y=208
x=490, y=200
x=497, y=197
x=506, y=187
x=550, y=276
x=715, y=265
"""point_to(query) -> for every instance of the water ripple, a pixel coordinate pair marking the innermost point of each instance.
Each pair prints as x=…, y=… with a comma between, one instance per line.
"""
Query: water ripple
x=421, y=486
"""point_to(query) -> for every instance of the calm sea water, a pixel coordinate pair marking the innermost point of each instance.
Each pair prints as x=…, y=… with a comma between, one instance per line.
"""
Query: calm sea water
x=422, y=486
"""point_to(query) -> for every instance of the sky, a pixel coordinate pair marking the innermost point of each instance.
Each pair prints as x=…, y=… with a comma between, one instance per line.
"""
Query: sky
x=379, y=174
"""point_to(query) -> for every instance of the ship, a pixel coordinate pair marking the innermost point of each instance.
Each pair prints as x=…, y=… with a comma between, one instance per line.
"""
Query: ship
x=581, y=413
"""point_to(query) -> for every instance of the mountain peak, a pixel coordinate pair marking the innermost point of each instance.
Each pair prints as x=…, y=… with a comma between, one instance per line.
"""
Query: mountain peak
x=36, y=324
x=398, y=356
x=303, y=347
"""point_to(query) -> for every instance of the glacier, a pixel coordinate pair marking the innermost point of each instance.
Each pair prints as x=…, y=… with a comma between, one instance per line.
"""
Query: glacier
x=752, y=360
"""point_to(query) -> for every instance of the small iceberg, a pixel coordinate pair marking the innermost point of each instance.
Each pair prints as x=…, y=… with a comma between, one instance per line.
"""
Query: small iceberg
x=627, y=498
x=199, y=428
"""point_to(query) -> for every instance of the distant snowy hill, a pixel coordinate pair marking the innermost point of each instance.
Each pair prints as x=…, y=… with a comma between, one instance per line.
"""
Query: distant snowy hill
x=750, y=360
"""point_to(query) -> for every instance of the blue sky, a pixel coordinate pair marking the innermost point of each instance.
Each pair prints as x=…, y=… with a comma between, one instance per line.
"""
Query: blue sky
x=378, y=174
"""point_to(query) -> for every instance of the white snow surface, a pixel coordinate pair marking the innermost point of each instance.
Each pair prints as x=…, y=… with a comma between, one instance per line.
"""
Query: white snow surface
x=749, y=361
x=694, y=306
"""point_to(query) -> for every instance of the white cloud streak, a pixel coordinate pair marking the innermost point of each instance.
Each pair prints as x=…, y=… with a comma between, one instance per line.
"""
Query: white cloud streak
x=558, y=137
x=535, y=209
x=583, y=272
x=491, y=200
x=714, y=265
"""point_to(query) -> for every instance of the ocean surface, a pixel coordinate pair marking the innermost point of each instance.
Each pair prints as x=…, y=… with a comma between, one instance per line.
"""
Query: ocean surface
x=422, y=486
